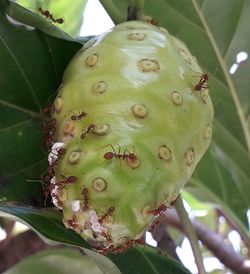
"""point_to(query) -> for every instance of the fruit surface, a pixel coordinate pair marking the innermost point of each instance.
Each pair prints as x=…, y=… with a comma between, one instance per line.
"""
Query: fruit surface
x=130, y=129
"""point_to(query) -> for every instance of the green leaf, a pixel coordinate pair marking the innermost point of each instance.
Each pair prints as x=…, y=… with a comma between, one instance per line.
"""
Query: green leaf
x=215, y=32
x=48, y=224
x=31, y=68
x=72, y=14
x=56, y=261
x=27, y=17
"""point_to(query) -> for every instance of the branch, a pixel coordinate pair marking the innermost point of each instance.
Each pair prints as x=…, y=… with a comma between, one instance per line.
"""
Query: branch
x=15, y=249
x=164, y=241
x=225, y=253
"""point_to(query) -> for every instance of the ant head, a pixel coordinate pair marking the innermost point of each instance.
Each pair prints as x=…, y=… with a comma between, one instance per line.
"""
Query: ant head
x=108, y=155
x=71, y=179
x=132, y=157
x=60, y=20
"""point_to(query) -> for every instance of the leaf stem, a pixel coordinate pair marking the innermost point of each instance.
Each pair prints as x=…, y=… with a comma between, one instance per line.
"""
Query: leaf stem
x=226, y=75
x=190, y=232
x=13, y=106
x=139, y=4
x=113, y=11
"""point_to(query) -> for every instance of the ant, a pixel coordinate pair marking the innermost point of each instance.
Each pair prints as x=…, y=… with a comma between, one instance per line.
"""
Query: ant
x=78, y=116
x=72, y=224
x=202, y=82
x=49, y=16
x=109, y=212
x=87, y=130
x=110, y=155
x=67, y=180
x=85, y=194
x=107, y=250
x=159, y=210
x=155, y=224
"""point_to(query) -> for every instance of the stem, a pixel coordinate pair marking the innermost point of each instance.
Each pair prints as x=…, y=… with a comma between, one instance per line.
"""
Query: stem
x=117, y=15
x=226, y=75
x=18, y=108
x=191, y=234
x=139, y=4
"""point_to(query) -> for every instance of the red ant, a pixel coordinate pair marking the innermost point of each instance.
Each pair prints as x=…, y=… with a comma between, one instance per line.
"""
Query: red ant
x=48, y=127
x=110, y=155
x=109, y=212
x=87, y=130
x=158, y=210
x=85, y=194
x=202, y=82
x=49, y=16
x=155, y=224
x=106, y=236
x=140, y=241
x=71, y=224
x=107, y=250
x=78, y=116
x=67, y=180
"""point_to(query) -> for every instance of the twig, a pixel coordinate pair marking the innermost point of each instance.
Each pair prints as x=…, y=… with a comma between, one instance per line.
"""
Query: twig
x=190, y=232
x=225, y=253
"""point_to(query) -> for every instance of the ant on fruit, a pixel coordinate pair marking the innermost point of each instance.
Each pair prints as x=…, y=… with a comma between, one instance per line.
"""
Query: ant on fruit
x=78, y=116
x=67, y=180
x=159, y=210
x=109, y=212
x=87, y=130
x=49, y=16
x=85, y=194
x=202, y=84
x=48, y=127
x=126, y=155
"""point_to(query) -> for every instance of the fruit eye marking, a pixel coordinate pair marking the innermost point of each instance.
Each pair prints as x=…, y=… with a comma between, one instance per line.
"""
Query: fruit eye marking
x=148, y=65
x=101, y=129
x=189, y=156
x=176, y=98
x=91, y=60
x=137, y=36
x=74, y=157
x=164, y=153
x=58, y=104
x=185, y=56
x=99, y=87
x=207, y=132
x=139, y=111
x=99, y=184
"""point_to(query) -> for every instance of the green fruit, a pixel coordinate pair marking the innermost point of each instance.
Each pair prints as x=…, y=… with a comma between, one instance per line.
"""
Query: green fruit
x=134, y=126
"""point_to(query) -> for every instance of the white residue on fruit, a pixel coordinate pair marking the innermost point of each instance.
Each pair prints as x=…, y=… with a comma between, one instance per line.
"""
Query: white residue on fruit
x=95, y=225
x=53, y=155
x=54, y=193
x=75, y=205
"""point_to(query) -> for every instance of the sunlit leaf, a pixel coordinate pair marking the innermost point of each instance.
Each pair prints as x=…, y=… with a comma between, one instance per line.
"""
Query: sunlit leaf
x=70, y=12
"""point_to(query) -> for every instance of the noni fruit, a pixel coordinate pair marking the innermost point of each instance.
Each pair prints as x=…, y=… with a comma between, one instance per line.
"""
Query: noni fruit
x=131, y=120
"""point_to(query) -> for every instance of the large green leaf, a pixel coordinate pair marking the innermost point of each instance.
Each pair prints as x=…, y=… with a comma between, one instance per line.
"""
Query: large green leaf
x=48, y=224
x=31, y=69
x=215, y=31
x=58, y=261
